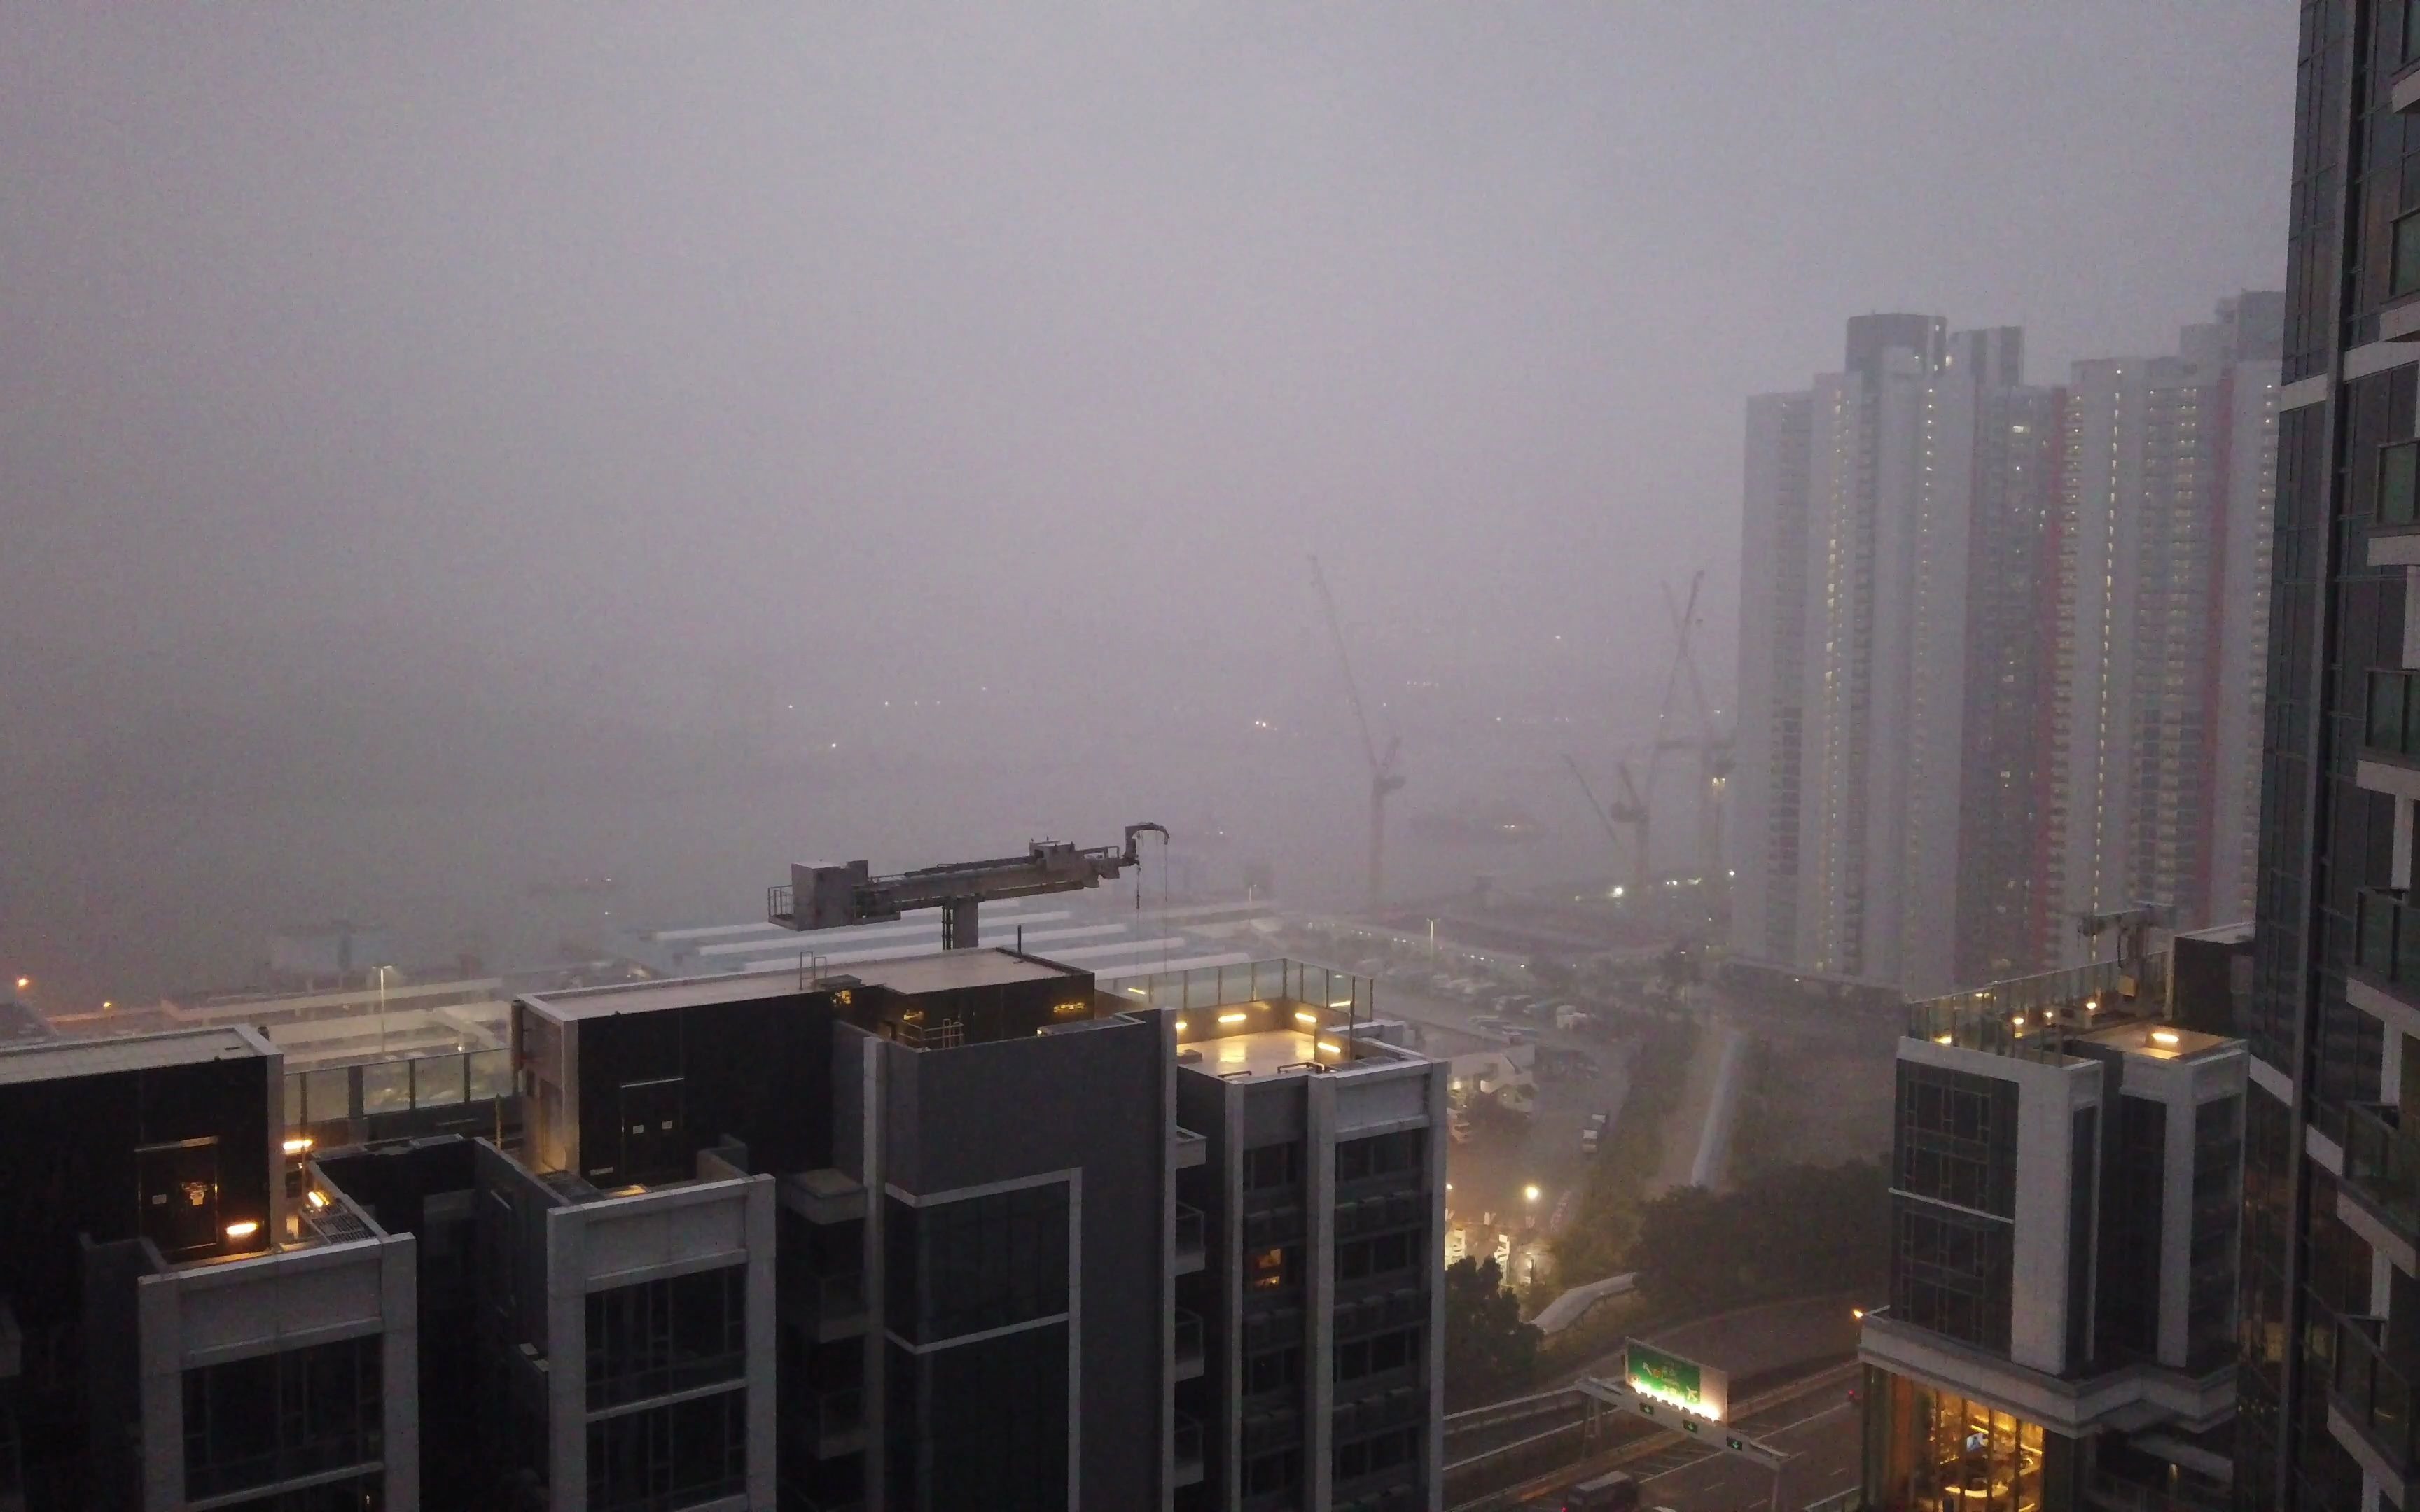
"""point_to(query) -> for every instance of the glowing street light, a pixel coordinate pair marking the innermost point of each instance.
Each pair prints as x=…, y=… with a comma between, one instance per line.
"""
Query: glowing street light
x=23, y=982
x=1530, y=1191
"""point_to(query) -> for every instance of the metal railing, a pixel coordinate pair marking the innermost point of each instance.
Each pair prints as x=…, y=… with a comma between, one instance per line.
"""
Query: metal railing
x=2372, y=1392
x=2382, y=1164
x=2393, y=721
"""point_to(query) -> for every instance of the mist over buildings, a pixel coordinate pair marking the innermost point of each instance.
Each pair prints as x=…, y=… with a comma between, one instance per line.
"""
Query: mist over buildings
x=447, y=448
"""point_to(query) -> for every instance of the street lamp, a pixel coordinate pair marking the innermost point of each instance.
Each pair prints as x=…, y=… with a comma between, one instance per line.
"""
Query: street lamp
x=1530, y=1191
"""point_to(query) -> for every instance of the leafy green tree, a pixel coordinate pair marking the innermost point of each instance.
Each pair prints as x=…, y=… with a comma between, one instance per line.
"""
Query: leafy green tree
x=1488, y=1350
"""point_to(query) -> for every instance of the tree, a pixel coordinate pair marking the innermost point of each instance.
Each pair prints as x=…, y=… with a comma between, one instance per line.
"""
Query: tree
x=1792, y=1231
x=1487, y=1347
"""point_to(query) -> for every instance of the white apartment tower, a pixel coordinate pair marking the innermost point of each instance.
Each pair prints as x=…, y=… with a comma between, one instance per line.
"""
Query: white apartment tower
x=2001, y=650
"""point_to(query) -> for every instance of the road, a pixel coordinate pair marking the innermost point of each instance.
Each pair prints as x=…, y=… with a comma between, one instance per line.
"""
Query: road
x=1812, y=1421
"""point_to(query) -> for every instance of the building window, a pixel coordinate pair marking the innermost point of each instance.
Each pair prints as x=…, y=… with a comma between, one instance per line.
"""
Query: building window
x=2399, y=483
x=1273, y=1370
x=1379, y=1155
x=2404, y=274
x=977, y=1263
x=277, y=1416
x=1271, y=1166
x=1956, y=1138
x=1380, y=1451
x=1271, y=1472
x=658, y=1337
x=982, y=1424
x=1378, y=1354
x=671, y=1456
x=1382, y=1255
x=1950, y=1272
x=1935, y=1451
x=1274, y=1268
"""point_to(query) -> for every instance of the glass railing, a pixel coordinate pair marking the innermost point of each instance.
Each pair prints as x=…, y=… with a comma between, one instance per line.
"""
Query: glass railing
x=1188, y=1231
x=1188, y=1337
x=2393, y=719
x=839, y=1412
x=2029, y=1018
x=319, y=1456
x=2386, y=936
x=840, y=1297
x=1340, y=994
x=342, y=1094
x=2382, y=1164
x=1188, y=1440
x=2370, y=1391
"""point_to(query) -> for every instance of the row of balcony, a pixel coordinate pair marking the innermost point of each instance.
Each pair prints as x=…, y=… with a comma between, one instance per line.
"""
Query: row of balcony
x=2370, y=1391
x=2382, y=1165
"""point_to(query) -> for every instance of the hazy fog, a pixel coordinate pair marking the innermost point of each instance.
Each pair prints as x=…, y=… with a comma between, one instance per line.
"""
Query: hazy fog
x=447, y=447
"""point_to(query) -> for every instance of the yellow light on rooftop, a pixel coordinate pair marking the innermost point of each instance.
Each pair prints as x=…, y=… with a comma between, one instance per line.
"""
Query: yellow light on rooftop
x=1233, y=1018
x=2164, y=1037
x=298, y=1144
x=1305, y=1017
x=1858, y=1313
x=1329, y=1047
x=317, y=1199
x=1941, y=1039
x=23, y=982
x=1530, y=1191
x=242, y=1231
x=1180, y=1026
x=2019, y=1021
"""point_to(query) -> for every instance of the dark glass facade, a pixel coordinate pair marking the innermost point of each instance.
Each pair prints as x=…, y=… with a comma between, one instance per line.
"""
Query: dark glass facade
x=1953, y=1208
x=277, y=1417
x=2353, y=255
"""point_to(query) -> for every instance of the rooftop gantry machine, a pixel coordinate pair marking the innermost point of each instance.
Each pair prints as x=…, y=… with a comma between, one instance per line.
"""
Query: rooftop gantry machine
x=834, y=895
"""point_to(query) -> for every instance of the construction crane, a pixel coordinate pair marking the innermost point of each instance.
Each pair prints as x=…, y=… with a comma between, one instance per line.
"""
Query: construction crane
x=830, y=896
x=1631, y=813
x=1711, y=744
x=1384, y=779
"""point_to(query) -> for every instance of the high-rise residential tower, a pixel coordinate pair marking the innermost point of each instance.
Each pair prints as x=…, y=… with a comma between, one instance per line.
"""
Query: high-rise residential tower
x=2330, y=1348
x=2000, y=652
x=2160, y=572
x=1884, y=530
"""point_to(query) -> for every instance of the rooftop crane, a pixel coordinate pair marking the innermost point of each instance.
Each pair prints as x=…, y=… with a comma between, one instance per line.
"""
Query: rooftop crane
x=1384, y=779
x=1630, y=813
x=831, y=896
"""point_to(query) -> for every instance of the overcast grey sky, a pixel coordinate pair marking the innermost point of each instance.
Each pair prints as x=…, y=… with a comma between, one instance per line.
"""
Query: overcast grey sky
x=686, y=356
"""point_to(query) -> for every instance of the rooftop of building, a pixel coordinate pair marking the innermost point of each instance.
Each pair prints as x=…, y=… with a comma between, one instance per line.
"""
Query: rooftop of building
x=60, y=1059
x=2127, y=1005
x=2157, y=1039
x=913, y=977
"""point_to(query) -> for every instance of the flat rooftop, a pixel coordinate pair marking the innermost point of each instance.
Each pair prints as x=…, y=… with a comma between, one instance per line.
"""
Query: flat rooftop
x=60, y=1059
x=942, y=971
x=1276, y=1052
x=2158, y=1039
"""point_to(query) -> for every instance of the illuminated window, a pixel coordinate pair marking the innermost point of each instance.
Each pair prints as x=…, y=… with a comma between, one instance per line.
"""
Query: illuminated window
x=1266, y=1269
